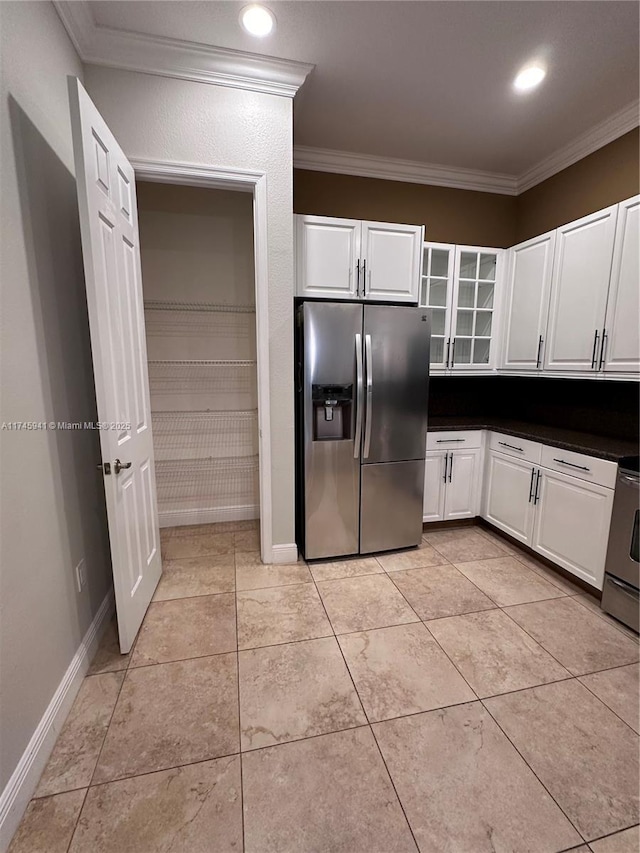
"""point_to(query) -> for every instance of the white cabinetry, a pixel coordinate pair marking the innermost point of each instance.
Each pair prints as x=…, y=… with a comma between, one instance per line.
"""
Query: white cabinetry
x=436, y=293
x=509, y=487
x=621, y=339
x=452, y=476
x=350, y=259
x=527, y=306
x=581, y=272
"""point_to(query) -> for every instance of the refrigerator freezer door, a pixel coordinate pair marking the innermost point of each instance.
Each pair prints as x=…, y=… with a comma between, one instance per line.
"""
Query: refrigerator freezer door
x=331, y=333
x=391, y=512
x=397, y=374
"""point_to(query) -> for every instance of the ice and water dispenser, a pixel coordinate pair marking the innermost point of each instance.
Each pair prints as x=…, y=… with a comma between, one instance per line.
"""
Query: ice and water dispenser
x=332, y=406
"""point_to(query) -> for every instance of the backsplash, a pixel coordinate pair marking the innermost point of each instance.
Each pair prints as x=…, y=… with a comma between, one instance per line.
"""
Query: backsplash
x=603, y=408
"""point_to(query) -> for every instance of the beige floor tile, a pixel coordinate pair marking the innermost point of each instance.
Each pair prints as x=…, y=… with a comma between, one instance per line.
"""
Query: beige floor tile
x=619, y=689
x=402, y=670
x=108, y=657
x=172, y=714
x=463, y=544
x=197, y=545
x=361, y=603
x=494, y=654
x=506, y=581
x=582, y=753
x=48, y=824
x=328, y=793
x=186, y=628
x=77, y=748
x=281, y=614
x=194, y=809
x=592, y=603
x=464, y=787
x=627, y=841
x=335, y=569
x=548, y=573
x=295, y=691
x=191, y=576
x=416, y=558
x=578, y=639
x=259, y=576
x=495, y=537
x=246, y=540
x=440, y=591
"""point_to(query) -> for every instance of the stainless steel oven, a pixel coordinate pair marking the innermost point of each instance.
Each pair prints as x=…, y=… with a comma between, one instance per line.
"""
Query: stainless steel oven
x=620, y=594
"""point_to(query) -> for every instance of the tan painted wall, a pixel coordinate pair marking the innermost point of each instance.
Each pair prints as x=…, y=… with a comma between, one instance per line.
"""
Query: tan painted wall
x=450, y=216
x=605, y=177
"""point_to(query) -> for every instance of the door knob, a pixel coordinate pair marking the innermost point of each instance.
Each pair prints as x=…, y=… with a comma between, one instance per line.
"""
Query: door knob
x=120, y=466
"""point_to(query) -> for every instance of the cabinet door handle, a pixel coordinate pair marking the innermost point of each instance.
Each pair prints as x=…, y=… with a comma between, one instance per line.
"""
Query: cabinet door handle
x=450, y=466
x=572, y=465
x=596, y=338
x=446, y=460
x=364, y=277
x=533, y=474
x=453, y=352
x=537, y=495
x=512, y=446
x=358, y=277
x=540, y=342
x=448, y=440
x=446, y=363
x=602, y=350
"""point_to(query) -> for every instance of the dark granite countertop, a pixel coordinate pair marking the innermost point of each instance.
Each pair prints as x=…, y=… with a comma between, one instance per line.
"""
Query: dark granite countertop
x=567, y=439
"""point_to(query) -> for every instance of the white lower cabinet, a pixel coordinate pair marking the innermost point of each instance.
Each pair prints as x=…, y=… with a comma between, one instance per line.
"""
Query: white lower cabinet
x=563, y=517
x=508, y=495
x=572, y=524
x=451, y=484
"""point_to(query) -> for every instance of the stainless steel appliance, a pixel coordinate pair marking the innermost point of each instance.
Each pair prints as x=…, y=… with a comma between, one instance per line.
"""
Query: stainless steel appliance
x=620, y=594
x=363, y=375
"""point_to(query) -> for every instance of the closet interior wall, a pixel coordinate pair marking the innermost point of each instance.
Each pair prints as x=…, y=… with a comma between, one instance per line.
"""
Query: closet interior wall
x=199, y=297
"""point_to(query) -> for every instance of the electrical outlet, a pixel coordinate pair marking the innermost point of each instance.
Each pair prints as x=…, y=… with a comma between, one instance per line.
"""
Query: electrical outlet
x=81, y=575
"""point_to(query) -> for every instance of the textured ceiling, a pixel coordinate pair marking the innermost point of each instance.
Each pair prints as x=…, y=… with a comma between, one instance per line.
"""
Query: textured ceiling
x=428, y=80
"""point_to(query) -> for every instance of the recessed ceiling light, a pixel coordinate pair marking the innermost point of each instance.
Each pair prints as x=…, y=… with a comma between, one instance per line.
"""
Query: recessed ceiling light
x=257, y=20
x=530, y=77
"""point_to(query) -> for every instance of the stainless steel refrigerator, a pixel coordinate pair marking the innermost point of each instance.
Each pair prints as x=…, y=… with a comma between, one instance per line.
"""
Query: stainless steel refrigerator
x=362, y=387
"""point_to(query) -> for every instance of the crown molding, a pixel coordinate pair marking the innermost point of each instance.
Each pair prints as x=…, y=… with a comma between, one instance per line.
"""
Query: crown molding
x=407, y=171
x=606, y=131
x=184, y=60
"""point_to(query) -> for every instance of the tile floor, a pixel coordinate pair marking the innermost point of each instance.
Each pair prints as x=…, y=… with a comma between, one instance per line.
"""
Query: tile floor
x=458, y=697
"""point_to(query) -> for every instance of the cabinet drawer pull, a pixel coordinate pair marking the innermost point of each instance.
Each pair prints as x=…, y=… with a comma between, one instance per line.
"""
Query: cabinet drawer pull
x=512, y=446
x=446, y=440
x=572, y=465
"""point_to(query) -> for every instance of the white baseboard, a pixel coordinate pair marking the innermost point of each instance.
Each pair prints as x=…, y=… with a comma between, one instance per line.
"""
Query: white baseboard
x=24, y=780
x=285, y=553
x=178, y=517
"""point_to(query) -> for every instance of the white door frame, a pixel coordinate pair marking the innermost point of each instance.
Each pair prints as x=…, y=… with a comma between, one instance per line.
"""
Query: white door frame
x=169, y=172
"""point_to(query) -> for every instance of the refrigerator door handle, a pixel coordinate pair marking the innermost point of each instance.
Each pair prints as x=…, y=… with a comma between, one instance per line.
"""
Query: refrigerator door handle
x=369, y=365
x=359, y=399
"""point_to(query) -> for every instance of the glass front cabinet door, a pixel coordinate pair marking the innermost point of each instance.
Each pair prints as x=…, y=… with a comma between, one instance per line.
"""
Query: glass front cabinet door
x=460, y=285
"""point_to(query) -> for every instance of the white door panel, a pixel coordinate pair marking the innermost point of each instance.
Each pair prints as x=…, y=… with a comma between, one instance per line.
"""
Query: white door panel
x=434, y=486
x=327, y=257
x=572, y=524
x=111, y=250
x=508, y=495
x=462, y=485
x=392, y=261
x=528, y=302
x=622, y=345
x=581, y=273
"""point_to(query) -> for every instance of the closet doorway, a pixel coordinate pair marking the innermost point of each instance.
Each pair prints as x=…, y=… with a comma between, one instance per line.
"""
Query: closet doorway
x=201, y=293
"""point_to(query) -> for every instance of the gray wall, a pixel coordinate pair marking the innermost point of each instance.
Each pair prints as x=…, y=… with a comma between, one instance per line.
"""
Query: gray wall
x=51, y=499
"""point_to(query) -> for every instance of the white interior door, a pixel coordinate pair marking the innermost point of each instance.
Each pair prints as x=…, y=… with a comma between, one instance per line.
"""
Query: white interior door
x=621, y=347
x=111, y=249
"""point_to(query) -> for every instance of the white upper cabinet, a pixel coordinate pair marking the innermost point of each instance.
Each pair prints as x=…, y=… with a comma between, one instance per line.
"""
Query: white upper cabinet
x=621, y=347
x=391, y=258
x=350, y=259
x=436, y=293
x=327, y=257
x=527, y=305
x=581, y=273
x=473, y=315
